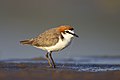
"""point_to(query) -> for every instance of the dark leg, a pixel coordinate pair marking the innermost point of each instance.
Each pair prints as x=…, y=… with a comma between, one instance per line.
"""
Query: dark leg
x=47, y=57
x=54, y=66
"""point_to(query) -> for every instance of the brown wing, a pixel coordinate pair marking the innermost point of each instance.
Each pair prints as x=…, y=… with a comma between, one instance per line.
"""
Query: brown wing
x=46, y=39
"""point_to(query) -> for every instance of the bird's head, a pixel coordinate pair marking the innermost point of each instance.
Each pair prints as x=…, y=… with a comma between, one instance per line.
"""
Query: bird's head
x=67, y=30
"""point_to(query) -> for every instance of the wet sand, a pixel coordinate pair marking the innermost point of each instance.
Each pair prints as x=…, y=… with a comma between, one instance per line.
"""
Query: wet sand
x=37, y=71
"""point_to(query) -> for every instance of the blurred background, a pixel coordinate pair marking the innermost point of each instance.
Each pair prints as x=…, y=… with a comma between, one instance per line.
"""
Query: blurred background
x=97, y=22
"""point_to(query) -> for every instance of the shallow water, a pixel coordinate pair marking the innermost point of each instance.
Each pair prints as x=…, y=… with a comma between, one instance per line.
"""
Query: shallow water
x=83, y=64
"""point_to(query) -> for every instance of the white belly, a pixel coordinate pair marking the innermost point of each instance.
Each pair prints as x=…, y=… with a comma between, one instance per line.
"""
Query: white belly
x=60, y=45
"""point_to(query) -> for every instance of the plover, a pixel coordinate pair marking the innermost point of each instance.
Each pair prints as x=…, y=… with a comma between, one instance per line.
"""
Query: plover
x=52, y=40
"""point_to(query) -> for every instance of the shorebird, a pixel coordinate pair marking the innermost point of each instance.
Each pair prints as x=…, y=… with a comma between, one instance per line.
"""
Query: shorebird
x=52, y=40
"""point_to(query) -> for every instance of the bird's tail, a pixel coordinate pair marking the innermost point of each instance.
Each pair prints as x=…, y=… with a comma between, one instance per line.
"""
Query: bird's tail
x=26, y=42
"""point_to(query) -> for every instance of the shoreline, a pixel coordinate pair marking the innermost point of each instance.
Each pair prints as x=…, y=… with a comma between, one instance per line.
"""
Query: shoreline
x=54, y=74
x=20, y=71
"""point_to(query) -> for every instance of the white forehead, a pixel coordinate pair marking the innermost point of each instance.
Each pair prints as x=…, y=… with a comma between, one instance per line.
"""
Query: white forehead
x=71, y=31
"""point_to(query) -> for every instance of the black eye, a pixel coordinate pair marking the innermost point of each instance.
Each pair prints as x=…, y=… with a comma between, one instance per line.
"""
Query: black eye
x=67, y=31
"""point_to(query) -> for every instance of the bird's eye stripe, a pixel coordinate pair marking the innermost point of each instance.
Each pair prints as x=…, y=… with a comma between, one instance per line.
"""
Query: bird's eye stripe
x=69, y=32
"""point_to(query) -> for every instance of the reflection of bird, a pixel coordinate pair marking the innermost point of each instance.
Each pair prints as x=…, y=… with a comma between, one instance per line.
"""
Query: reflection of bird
x=52, y=40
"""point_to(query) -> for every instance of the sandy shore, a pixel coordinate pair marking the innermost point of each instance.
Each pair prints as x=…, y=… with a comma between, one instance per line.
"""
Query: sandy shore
x=41, y=72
